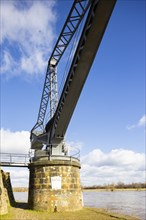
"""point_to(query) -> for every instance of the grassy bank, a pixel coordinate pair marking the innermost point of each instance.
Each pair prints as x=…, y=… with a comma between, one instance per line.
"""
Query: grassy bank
x=24, y=189
x=20, y=212
x=20, y=189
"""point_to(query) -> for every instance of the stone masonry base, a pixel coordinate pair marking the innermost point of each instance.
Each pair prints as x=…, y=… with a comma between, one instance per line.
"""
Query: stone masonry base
x=55, y=186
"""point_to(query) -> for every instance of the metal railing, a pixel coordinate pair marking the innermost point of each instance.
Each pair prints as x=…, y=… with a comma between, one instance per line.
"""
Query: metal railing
x=68, y=154
x=23, y=160
x=13, y=159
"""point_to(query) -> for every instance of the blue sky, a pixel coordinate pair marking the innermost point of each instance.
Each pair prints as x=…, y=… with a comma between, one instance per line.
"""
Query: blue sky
x=109, y=119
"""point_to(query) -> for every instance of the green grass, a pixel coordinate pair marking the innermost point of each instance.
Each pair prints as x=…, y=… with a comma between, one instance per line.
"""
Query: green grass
x=84, y=214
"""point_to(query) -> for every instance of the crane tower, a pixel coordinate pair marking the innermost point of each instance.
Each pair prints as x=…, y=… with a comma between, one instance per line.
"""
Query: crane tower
x=55, y=176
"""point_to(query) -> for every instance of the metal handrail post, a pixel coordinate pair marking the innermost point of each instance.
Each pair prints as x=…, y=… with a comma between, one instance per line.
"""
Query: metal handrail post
x=10, y=158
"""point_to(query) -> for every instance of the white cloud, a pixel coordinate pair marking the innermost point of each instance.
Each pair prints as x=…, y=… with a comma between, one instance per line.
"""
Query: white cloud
x=14, y=142
x=140, y=123
x=130, y=127
x=119, y=165
x=27, y=35
x=77, y=144
x=7, y=62
x=19, y=176
x=97, y=167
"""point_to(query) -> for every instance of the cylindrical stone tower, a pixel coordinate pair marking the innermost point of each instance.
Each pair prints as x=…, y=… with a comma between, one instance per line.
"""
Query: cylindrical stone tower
x=54, y=184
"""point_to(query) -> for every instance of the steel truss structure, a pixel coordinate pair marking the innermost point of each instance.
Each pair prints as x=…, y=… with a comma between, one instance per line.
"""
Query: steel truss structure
x=50, y=90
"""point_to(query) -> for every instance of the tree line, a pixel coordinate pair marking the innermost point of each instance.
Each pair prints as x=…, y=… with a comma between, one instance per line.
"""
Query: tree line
x=119, y=185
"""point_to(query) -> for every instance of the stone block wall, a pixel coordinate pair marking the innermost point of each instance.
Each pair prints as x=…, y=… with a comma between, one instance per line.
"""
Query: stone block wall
x=4, y=201
x=55, y=186
x=8, y=187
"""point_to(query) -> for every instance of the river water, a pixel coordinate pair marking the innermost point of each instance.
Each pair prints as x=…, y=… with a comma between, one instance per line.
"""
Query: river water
x=126, y=202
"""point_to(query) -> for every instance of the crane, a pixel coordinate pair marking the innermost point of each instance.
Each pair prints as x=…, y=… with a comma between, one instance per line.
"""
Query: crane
x=52, y=134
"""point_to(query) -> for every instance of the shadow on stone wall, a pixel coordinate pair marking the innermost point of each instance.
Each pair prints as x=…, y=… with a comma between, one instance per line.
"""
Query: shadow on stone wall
x=4, y=200
x=6, y=193
x=7, y=185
